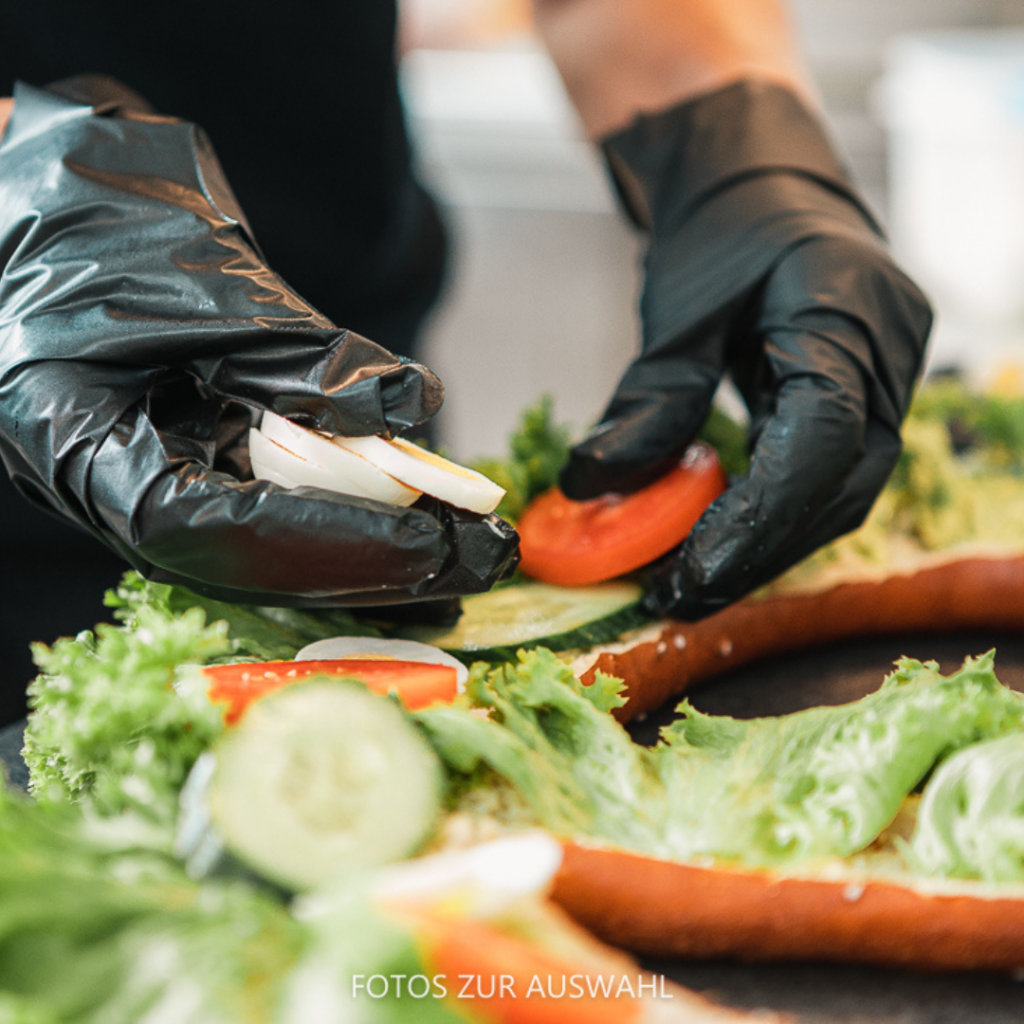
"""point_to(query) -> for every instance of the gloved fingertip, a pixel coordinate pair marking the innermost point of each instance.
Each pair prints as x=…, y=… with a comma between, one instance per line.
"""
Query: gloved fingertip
x=596, y=464
x=668, y=596
x=484, y=551
x=354, y=387
x=489, y=548
x=653, y=602
x=410, y=396
x=684, y=606
x=585, y=478
x=709, y=572
x=581, y=479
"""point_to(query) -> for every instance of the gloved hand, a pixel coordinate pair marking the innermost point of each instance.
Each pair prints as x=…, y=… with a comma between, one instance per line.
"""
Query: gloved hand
x=139, y=324
x=764, y=264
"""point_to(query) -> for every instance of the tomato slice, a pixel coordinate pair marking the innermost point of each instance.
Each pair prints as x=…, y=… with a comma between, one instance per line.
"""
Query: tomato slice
x=575, y=543
x=416, y=683
x=499, y=977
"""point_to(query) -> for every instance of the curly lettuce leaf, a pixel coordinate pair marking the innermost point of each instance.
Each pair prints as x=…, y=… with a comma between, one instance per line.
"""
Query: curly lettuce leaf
x=772, y=791
x=94, y=931
x=552, y=738
x=825, y=781
x=255, y=631
x=119, y=715
x=970, y=823
x=97, y=929
x=108, y=724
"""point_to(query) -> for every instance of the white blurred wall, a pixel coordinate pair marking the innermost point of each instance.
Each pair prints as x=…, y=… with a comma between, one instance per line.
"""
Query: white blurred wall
x=846, y=42
x=545, y=279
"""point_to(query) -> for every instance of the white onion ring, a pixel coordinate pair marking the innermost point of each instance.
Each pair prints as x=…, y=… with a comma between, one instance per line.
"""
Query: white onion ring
x=283, y=451
x=336, y=647
x=427, y=472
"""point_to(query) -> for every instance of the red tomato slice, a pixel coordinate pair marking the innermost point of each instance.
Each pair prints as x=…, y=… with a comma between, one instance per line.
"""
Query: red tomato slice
x=416, y=683
x=499, y=978
x=574, y=543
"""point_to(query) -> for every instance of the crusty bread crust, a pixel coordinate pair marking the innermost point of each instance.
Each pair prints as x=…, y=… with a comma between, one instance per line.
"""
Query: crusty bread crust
x=956, y=594
x=671, y=909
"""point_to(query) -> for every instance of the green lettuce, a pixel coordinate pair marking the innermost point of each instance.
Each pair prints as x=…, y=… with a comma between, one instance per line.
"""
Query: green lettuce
x=772, y=791
x=107, y=723
x=119, y=715
x=98, y=928
x=552, y=739
x=825, y=781
x=538, y=449
x=255, y=632
x=990, y=425
x=970, y=823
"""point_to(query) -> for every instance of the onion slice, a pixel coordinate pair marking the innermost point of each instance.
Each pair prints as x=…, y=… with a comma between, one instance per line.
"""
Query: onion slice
x=427, y=472
x=266, y=462
x=376, y=648
x=270, y=461
x=290, y=455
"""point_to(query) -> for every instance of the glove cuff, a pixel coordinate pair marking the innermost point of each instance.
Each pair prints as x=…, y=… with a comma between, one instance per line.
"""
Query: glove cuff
x=665, y=164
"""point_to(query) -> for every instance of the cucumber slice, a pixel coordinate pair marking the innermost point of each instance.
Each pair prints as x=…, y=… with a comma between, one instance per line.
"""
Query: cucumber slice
x=497, y=624
x=317, y=779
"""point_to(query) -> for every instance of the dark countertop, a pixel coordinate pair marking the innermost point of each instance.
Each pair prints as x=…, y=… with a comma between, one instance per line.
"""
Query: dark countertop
x=840, y=994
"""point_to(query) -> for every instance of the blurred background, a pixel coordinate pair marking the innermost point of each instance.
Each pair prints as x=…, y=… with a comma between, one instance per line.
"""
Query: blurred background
x=925, y=98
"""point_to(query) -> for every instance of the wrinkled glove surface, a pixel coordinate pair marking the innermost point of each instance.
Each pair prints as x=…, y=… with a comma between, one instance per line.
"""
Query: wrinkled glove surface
x=762, y=264
x=140, y=324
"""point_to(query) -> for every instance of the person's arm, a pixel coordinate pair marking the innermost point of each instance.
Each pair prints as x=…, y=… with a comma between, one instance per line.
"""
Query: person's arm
x=6, y=106
x=764, y=265
x=621, y=59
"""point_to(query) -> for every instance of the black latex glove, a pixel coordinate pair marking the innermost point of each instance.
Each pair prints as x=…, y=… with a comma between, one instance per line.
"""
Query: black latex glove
x=764, y=264
x=136, y=314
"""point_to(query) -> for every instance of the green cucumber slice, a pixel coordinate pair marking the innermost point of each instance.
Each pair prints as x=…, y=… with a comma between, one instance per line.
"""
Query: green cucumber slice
x=495, y=625
x=317, y=779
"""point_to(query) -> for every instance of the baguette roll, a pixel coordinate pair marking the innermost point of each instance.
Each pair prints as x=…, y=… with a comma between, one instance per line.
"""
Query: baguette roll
x=972, y=589
x=845, y=914
x=673, y=909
